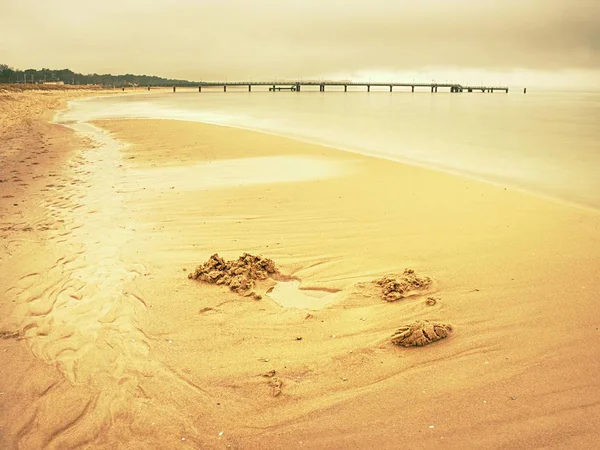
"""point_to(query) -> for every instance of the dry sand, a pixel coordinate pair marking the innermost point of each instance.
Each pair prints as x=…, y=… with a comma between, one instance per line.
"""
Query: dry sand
x=107, y=344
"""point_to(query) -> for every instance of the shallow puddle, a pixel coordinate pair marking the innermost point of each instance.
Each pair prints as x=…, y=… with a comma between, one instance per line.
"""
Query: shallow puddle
x=239, y=172
x=289, y=294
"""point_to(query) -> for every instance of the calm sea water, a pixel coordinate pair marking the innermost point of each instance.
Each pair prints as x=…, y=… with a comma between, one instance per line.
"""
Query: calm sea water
x=545, y=143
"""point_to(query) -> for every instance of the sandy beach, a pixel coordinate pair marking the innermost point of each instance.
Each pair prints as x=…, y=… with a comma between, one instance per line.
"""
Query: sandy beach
x=106, y=343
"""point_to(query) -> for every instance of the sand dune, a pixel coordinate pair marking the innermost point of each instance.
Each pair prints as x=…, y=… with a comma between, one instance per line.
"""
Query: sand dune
x=106, y=342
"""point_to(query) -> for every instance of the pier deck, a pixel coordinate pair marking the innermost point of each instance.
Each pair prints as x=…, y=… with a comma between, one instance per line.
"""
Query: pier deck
x=297, y=86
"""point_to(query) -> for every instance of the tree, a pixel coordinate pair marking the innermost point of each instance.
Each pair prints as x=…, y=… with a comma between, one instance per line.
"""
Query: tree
x=6, y=73
x=67, y=76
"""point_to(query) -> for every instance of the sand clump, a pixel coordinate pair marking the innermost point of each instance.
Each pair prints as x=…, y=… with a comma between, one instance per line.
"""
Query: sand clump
x=240, y=275
x=419, y=333
x=397, y=287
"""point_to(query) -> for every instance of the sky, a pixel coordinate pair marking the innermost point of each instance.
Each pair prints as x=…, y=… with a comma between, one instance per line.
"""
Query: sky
x=512, y=42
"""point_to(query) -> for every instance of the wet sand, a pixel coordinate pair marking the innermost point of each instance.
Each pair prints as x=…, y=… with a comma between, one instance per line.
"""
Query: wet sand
x=108, y=344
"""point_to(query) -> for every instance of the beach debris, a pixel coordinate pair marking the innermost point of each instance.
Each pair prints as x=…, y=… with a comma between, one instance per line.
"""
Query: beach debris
x=419, y=333
x=431, y=301
x=11, y=334
x=276, y=384
x=298, y=338
x=240, y=275
x=253, y=295
x=269, y=374
x=396, y=287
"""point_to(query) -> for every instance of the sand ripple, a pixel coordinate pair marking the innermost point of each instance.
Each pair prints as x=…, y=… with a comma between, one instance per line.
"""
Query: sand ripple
x=83, y=315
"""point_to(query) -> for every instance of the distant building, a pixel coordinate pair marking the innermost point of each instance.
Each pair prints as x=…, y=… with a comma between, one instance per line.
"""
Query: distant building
x=55, y=83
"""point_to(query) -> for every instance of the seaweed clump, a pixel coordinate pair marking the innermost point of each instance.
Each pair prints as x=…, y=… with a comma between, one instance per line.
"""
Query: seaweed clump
x=394, y=288
x=240, y=275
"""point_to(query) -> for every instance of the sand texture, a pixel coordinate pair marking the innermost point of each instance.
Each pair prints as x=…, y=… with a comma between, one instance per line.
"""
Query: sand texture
x=106, y=343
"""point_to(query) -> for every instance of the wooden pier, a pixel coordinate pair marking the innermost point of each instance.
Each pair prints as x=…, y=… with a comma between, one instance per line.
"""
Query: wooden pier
x=296, y=86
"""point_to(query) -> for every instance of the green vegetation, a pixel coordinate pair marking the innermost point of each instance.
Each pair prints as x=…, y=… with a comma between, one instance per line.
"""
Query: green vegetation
x=66, y=76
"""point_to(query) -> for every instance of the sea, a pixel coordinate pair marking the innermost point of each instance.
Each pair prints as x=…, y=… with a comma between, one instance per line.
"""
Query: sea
x=546, y=143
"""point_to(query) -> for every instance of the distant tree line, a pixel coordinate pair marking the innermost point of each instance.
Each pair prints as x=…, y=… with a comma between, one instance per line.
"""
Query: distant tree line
x=66, y=76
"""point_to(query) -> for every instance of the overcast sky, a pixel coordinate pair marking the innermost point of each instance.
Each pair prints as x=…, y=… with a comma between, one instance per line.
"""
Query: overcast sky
x=263, y=39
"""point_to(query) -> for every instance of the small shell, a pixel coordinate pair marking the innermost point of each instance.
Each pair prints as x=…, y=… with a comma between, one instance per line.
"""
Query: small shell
x=420, y=333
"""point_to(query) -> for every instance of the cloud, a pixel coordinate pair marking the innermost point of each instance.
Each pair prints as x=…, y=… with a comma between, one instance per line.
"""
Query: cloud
x=267, y=38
